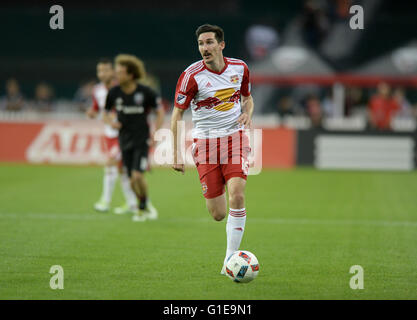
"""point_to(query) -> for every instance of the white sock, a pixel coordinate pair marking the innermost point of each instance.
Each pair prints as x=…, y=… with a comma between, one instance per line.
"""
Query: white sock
x=109, y=181
x=235, y=227
x=130, y=196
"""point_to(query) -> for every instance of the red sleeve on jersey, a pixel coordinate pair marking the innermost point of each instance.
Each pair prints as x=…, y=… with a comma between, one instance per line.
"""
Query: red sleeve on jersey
x=185, y=91
x=245, y=86
x=95, y=105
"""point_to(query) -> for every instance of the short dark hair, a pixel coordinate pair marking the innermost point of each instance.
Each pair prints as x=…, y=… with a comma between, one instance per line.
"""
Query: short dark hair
x=218, y=32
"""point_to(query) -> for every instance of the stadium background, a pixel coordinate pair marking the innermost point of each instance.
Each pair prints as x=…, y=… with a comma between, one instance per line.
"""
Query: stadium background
x=311, y=101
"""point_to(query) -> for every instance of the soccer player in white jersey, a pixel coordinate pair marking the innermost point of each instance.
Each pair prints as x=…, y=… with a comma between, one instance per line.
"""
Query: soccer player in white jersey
x=113, y=167
x=217, y=89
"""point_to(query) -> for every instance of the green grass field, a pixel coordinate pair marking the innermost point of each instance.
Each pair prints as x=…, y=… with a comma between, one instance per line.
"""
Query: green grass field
x=306, y=227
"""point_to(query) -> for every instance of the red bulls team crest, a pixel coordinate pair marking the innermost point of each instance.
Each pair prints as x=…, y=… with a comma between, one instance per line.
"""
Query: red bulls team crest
x=234, y=79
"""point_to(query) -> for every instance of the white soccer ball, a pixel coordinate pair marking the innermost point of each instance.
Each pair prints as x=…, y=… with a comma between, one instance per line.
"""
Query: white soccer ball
x=242, y=266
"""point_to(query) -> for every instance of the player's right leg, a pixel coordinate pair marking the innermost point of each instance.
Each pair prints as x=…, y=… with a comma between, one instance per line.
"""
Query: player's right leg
x=217, y=207
x=110, y=175
x=109, y=181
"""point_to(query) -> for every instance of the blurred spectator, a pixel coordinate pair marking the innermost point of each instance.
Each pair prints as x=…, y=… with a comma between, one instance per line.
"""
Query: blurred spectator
x=260, y=40
x=285, y=106
x=13, y=100
x=43, y=97
x=405, y=110
x=83, y=96
x=314, y=22
x=300, y=95
x=353, y=99
x=328, y=105
x=338, y=9
x=314, y=110
x=382, y=108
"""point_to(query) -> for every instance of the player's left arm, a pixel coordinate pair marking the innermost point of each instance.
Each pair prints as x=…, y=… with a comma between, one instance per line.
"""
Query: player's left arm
x=246, y=100
x=247, y=111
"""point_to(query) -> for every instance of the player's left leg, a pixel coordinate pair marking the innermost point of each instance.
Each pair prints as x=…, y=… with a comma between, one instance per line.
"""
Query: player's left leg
x=140, y=185
x=236, y=219
x=235, y=173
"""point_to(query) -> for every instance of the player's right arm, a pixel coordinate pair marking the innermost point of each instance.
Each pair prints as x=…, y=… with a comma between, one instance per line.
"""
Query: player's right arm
x=185, y=92
x=93, y=111
x=177, y=115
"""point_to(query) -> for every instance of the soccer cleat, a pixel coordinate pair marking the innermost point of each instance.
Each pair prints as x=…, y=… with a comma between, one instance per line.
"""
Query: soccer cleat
x=224, y=264
x=138, y=216
x=101, y=206
x=150, y=212
x=223, y=270
x=124, y=209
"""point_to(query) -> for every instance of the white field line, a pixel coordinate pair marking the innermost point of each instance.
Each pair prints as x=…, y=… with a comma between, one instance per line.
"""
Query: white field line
x=300, y=221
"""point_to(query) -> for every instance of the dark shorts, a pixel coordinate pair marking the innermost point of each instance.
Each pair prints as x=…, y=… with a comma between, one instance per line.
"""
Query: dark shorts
x=135, y=159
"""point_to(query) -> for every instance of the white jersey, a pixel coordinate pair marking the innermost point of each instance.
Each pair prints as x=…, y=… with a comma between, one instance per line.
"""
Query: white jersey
x=99, y=101
x=214, y=97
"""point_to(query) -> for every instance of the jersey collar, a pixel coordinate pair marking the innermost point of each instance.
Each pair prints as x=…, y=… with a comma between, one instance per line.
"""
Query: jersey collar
x=221, y=71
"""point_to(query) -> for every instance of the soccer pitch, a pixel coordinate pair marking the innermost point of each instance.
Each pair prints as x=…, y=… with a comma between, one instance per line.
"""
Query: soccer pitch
x=306, y=227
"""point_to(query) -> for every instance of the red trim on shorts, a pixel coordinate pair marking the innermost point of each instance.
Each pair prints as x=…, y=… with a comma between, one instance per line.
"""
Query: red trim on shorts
x=215, y=195
x=235, y=174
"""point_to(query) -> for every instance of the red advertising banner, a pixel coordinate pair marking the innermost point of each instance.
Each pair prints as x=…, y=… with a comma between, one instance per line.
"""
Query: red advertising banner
x=82, y=142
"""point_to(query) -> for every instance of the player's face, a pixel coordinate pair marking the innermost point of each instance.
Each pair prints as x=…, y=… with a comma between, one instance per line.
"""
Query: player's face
x=209, y=48
x=121, y=74
x=105, y=72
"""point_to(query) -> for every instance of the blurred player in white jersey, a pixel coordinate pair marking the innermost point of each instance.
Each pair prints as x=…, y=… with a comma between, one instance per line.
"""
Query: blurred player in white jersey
x=105, y=73
x=217, y=89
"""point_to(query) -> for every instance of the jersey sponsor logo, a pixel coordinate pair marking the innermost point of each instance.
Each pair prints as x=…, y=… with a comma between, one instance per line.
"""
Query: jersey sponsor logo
x=138, y=98
x=130, y=109
x=133, y=109
x=234, y=79
x=208, y=85
x=223, y=100
x=181, y=98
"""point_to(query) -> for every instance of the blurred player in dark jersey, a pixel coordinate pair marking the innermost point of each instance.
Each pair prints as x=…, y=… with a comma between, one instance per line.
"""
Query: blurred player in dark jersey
x=105, y=73
x=133, y=103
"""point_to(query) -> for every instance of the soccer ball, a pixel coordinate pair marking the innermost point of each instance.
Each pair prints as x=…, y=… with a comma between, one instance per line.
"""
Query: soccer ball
x=242, y=266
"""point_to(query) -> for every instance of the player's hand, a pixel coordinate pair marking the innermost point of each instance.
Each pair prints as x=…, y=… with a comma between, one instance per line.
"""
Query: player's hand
x=179, y=167
x=116, y=125
x=91, y=113
x=245, y=120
